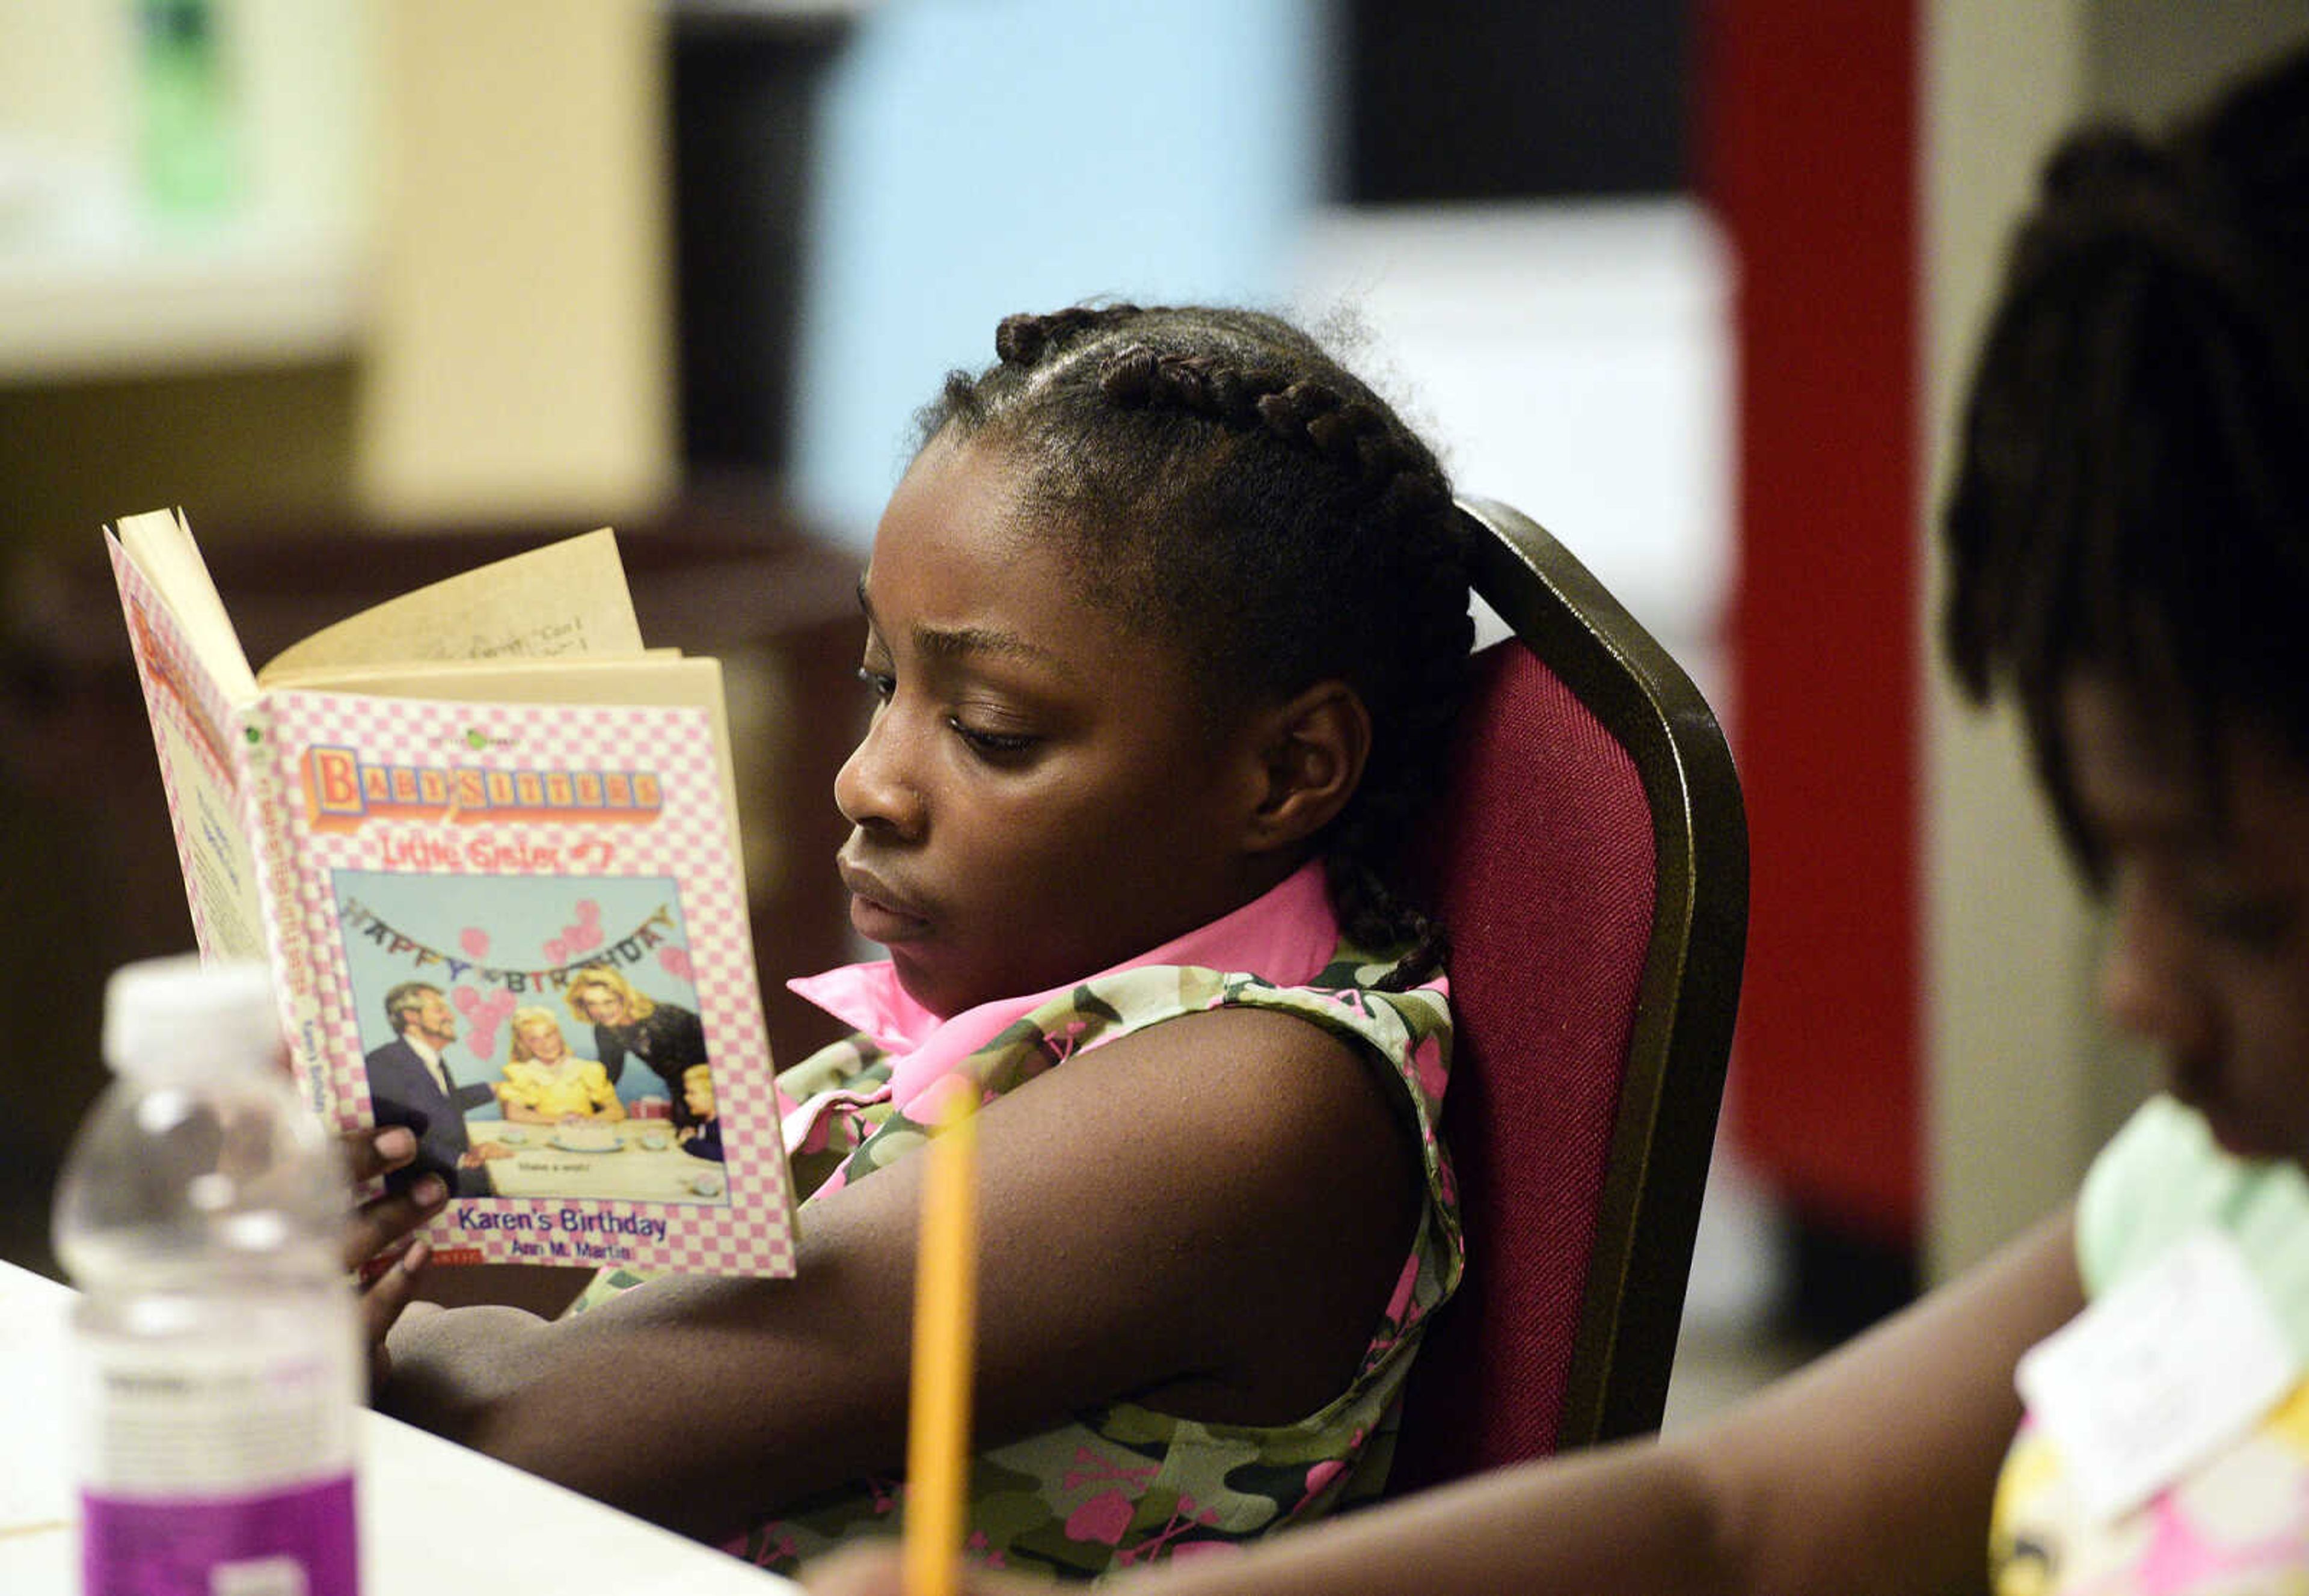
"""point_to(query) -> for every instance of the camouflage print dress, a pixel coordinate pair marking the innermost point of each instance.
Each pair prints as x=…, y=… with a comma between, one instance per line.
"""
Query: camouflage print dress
x=1121, y=1485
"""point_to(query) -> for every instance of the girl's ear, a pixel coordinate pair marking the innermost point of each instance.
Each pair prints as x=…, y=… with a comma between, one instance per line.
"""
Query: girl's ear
x=1312, y=750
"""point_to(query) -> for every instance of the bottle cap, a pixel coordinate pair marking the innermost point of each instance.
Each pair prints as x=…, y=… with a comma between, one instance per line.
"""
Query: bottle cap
x=180, y=1015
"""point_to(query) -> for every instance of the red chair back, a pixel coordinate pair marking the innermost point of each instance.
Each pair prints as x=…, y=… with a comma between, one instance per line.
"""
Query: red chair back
x=1590, y=863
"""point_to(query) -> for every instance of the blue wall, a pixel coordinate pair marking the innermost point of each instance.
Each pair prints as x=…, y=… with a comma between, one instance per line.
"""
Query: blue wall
x=978, y=156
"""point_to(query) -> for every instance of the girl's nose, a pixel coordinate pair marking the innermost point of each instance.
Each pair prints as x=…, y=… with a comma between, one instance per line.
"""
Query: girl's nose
x=873, y=789
x=2150, y=984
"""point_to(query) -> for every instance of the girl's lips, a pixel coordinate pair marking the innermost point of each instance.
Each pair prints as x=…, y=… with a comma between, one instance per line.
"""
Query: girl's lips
x=878, y=913
x=878, y=922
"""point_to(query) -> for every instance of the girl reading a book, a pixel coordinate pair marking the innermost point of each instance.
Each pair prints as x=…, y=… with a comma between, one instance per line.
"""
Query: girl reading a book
x=2128, y=554
x=1165, y=627
x=544, y=1082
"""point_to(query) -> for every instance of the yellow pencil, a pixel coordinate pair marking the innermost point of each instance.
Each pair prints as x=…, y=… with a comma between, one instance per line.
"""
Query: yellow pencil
x=946, y=1317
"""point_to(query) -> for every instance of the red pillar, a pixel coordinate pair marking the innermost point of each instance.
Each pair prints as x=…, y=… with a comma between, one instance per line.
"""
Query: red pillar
x=1808, y=152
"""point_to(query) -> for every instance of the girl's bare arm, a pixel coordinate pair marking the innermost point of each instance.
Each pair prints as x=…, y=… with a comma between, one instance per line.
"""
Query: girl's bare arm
x=1208, y=1215
x=1871, y=1471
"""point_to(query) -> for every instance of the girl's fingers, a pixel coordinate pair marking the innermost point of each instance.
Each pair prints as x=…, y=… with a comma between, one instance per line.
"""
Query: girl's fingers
x=382, y=1221
x=375, y=1150
x=370, y=1153
x=384, y=1298
x=381, y=1224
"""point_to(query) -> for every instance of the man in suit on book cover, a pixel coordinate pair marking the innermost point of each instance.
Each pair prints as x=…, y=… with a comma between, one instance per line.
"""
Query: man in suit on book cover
x=410, y=1084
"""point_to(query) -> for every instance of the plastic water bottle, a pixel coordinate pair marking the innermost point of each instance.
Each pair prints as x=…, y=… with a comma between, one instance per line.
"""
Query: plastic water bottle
x=218, y=1362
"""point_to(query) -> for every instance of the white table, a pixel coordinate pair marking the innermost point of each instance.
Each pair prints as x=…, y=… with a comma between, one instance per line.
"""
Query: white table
x=526, y=1534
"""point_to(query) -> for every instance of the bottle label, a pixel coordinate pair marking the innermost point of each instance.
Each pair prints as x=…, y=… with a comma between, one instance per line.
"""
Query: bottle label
x=210, y=1420
x=218, y=1469
x=295, y=1542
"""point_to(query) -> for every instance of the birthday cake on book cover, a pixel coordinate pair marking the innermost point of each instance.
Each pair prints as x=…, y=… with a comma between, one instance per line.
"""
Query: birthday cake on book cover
x=488, y=844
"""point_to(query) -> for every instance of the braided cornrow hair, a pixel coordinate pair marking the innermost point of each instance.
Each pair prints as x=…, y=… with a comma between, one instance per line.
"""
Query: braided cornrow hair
x=1223, y=481
x=2133, y=494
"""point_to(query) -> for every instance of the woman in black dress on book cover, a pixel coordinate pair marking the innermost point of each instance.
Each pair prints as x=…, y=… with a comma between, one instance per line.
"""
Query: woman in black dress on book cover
x=666, y=1037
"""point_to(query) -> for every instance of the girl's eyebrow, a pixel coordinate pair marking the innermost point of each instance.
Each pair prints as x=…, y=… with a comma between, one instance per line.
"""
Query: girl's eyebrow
x=958, y=642
x=949, y=643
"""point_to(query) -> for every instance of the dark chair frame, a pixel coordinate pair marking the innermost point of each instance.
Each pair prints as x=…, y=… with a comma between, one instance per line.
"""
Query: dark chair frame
x=1688, y=993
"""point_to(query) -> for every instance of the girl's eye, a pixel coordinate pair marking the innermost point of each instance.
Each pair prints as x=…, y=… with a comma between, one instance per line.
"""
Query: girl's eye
x=991, y=745
x=994, y=746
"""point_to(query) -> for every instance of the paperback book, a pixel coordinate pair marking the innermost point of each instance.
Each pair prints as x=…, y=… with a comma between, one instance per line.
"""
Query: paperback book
x=488, y=843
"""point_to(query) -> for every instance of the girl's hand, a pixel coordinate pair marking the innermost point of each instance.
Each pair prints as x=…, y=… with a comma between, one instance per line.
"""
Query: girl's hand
x=377, y=1246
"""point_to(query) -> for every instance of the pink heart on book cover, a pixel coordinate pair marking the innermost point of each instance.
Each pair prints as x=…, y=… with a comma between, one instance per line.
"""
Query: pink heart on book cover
x=475, y=941
x=577, y=939
x=675, y=962
x=484, y=1015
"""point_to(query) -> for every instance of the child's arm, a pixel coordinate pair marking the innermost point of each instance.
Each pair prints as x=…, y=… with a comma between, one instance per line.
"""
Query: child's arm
x=1208, y=1216
x=1871, y=1471
x=603, y=1096
x=518, y=1099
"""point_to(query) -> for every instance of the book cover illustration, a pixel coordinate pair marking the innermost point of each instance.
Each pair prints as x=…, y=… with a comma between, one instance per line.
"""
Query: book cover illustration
x=528, y=942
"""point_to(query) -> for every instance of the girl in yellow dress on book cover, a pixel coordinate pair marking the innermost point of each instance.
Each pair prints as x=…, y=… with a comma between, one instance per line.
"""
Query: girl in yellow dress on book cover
x=545, y=1083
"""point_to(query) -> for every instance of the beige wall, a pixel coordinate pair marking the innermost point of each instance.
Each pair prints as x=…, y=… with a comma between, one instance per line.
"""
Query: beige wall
x=2025, y=1082
x=2004, y=927
x=522, y=324
x=481, y=186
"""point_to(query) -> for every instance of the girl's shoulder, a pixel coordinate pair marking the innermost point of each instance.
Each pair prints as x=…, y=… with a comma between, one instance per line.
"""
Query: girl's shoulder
x=1408, y=1032
x=2162, y=1178
x=1344, y=995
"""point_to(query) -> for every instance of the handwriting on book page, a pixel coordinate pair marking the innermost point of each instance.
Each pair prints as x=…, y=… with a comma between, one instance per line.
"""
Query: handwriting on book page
x=544, y=639
x=565, y=599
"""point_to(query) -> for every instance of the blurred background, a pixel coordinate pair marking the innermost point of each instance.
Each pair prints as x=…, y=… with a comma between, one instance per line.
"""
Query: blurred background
x=375, y=287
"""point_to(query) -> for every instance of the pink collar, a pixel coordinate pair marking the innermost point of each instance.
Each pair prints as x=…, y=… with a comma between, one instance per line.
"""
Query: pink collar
x=1286, y=935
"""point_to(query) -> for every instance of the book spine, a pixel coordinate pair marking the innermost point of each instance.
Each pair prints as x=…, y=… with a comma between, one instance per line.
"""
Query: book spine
x=267, y=796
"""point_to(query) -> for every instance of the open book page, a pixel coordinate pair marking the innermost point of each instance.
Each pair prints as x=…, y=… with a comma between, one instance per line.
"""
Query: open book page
x=162, y=547
x=565, y=598
x=447, y=674
x=196, y=685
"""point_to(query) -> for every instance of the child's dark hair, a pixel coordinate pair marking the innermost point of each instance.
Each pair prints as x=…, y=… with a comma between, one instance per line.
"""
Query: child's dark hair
x=1218, y=479
x=2133, y=495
